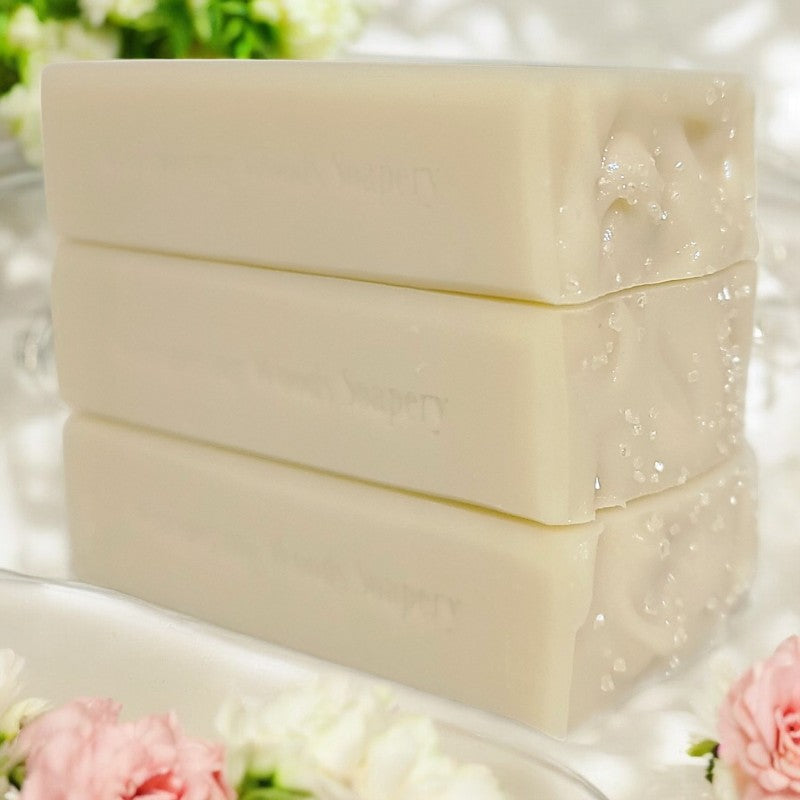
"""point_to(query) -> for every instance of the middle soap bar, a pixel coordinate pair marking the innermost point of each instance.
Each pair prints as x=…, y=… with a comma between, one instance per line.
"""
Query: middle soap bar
x=541, y=412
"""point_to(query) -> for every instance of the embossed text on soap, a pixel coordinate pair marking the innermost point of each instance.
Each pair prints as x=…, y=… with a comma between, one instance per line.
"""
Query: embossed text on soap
x=401, y=408
x=409, y=602
x=387, y=181
x=398, y=406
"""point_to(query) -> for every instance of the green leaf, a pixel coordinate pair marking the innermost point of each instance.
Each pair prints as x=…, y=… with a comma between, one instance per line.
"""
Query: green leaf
x=274, y=793
x=712, y=760
x=17, y=776
x=251, y=781
x=245, y=46
x=7, y=7
x=233, y=8
x=704, y=748
x=264, y=787
x=56, y=9
x=63, y=9
x=265, y=43
x=233, y=29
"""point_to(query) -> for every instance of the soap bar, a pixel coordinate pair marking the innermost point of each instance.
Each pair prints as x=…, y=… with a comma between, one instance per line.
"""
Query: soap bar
x=539, y=411
x=544, y=625
x=542, y=412
x=545, y=183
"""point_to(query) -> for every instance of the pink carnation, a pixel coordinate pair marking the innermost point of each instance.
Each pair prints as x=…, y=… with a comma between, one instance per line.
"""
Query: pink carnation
x=759, y=726
x=81, y=751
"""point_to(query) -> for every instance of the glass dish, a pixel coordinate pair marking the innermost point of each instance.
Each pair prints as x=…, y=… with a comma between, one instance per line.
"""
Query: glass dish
x=80, y=641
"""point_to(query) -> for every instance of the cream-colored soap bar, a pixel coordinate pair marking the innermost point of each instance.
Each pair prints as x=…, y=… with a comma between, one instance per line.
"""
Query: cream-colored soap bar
x=545, y=625
x=542, y=412
x=545, y=183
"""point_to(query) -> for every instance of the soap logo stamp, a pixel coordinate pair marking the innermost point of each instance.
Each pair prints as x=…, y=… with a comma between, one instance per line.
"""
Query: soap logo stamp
x=400, y=597
x=337, y=173
x=410, y=603
x=398, y=407
x=385, y=180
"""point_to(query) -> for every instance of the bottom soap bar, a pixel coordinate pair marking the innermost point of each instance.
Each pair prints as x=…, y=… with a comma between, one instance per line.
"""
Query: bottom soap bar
x=541, y=624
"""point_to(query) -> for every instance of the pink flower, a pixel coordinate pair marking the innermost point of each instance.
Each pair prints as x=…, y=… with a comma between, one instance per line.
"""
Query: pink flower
x=81, y=751
x=759, y=726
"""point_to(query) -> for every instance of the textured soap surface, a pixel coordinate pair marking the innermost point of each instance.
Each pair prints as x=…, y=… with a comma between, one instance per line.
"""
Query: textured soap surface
x=545, y=625
x=543, y=412
x=545, y=183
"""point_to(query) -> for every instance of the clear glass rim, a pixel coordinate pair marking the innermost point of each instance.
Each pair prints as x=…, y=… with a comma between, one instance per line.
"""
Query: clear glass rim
x=25, y=176
x=15, y=171
x=546, y=763
x=228, y=638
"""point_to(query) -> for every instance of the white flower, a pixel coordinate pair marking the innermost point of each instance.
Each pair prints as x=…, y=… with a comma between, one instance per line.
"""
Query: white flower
x=76, y=42
x=405, y=763
x=7, y=791
x=319, y=729
x=10, y=668
x=338, y=745
x=13, y=715
x=270, y=11
x=312, y=28
x=724, y=785
x=97, y=11
x=392, y=757
x=69, y=40
x=20, y=714
x=316, y=27
x=133, y=9
x=20, y=111
x=24, y=31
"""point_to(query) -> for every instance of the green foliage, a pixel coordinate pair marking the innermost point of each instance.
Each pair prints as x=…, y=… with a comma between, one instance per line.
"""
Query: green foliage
x=8, y=76
x=703, y=748
x=264, y=787
x=233, y=33
x=707, y=747
x=165, y=32
x=56, y=9
x=17, y=776
x=7, y=6
x=712, y=760
x=9, y=61
x=223, y=28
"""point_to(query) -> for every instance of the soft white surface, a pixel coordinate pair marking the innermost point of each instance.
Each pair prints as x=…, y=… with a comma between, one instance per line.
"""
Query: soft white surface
x=758, y=37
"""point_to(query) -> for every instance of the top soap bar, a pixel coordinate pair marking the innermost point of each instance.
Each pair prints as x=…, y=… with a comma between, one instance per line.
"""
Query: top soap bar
x=553, y=184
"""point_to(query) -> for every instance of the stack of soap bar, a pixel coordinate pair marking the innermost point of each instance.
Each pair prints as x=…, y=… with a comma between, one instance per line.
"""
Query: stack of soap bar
x=476, y=306
x=539, y=623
